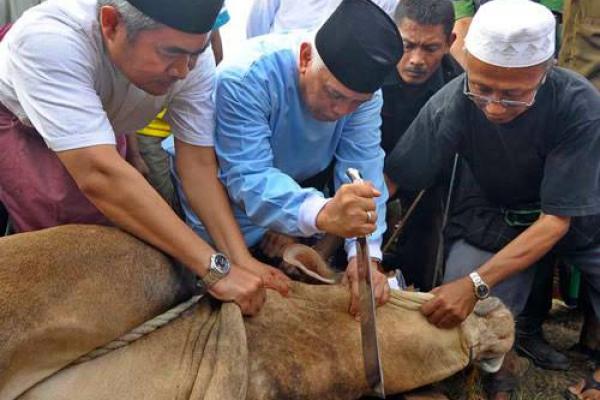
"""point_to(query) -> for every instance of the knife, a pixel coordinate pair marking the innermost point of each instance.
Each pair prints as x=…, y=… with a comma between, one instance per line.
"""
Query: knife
x=368, y=326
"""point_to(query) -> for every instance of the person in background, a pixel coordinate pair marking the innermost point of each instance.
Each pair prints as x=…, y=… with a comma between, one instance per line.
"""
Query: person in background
x=277, y=16
x=425, y=67
x=464, y=11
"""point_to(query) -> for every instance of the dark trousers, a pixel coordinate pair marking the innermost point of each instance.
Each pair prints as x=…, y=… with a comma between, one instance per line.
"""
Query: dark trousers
x=3, y=219
x=539, y=302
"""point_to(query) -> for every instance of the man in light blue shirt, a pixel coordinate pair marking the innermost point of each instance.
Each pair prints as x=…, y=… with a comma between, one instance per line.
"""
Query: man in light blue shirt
x=290, y=105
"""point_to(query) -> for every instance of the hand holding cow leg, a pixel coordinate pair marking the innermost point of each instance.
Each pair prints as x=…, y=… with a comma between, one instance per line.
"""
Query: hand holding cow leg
x=351, y=212
x=452, y=304
x=242, y=287
x=379, y=282
x=272, y=277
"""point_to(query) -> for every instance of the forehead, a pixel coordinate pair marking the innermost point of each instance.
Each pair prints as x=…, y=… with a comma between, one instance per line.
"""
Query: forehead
x=331, y=82
x=502, y=78
x=412, y=31
x=166, y=36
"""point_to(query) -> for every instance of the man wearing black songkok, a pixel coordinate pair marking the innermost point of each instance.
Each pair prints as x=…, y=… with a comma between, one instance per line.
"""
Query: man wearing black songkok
x=288, y=106
x=77, y=74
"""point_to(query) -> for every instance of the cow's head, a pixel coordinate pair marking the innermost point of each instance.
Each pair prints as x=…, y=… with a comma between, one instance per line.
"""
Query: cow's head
x=490, y=333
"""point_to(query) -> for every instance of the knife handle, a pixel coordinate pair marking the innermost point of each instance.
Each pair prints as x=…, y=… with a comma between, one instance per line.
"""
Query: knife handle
x=354, y=175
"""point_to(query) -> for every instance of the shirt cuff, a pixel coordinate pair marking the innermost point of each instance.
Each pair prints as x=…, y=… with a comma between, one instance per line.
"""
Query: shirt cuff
x=374, y=248
x=307, y=214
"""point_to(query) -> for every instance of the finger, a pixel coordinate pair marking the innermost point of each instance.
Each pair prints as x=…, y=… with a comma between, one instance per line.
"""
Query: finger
x=258, y=302
x=376, y=192
x=379, y=290
x=364, y=189
x=360, y=205
x=278, y=283
x=436, y=317
x=368, y=228
x=448, y=321
x=429, y=307
x=345, y=279
x=386, y=294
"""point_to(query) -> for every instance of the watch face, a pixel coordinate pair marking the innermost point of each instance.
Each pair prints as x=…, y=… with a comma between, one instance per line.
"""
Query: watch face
x=221, y=263
x=482, y=291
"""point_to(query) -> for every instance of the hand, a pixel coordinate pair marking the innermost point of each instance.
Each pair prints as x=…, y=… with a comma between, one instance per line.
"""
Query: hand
x=345, y=215
x=272, y=277
x=379, y=282
x=452, y=304
x=274, y=243
x=242, y=287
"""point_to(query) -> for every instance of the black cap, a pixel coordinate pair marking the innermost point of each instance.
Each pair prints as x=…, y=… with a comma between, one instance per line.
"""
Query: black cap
x=360, y=44
x=191, y=16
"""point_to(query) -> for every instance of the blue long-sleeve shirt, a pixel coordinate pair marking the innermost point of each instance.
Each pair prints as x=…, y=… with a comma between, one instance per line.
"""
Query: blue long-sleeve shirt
x=267, y=140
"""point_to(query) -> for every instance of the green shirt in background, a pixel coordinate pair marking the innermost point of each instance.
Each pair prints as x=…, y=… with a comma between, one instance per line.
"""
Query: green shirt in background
x=466, y=8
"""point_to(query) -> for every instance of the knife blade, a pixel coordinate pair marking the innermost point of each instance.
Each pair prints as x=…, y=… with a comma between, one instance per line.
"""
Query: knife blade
x=368, y=323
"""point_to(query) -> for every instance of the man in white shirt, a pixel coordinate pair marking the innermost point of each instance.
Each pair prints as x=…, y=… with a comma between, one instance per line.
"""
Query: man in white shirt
x=74, y=76
x=277, y=16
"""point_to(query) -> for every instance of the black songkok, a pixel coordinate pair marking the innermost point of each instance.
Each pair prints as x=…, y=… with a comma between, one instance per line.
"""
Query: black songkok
x=360, y=45
x=191, y=16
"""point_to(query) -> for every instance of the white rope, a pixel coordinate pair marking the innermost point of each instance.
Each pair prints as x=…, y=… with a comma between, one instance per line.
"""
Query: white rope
x=142, y=330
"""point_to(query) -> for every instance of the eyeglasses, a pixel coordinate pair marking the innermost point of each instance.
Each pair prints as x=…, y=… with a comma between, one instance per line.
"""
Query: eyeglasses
x=484, y=101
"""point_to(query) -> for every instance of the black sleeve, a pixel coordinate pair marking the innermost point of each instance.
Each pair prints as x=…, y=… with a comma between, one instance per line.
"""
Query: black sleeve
x=571, y=183
x=430, y=141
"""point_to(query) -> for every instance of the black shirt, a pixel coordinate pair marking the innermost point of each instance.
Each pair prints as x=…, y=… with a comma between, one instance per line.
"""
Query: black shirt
x=402, y=102
x=549, y=155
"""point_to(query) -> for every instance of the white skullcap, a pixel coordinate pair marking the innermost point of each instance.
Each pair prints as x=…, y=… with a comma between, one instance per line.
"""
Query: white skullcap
x=512, y=33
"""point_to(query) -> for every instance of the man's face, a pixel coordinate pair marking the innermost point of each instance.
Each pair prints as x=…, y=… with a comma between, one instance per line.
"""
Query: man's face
x=498, y=83
x=325, y=97
x=154, y=59
x=424, y=47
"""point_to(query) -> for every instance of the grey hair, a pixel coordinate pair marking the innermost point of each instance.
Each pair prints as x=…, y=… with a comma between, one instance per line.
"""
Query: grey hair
x=135, y=21
x=316, y=62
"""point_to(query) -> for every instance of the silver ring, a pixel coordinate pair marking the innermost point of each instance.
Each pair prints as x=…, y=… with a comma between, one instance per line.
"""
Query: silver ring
x=369, y=216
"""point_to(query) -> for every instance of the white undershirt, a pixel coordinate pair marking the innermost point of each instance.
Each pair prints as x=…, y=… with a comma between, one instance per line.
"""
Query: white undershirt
x=55, y=76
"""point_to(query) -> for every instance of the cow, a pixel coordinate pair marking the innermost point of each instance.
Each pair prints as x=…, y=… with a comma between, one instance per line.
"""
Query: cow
x=70, y=289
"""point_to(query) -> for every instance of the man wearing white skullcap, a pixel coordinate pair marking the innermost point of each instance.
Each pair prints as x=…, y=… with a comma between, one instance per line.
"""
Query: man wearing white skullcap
x=530, y=134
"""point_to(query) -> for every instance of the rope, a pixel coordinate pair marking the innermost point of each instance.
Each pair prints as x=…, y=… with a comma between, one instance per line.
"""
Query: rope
x=141, y=331
x=403, y=221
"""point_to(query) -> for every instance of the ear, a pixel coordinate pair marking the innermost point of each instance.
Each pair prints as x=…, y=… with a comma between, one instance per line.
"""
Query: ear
x=305, y=57
x=109, y=22
x=451, y=39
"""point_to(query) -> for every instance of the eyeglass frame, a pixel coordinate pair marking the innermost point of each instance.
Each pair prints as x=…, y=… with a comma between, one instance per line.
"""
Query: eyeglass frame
x=484, y=101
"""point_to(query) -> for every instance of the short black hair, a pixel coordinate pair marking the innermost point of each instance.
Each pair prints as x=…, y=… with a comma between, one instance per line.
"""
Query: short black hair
x=427, y=12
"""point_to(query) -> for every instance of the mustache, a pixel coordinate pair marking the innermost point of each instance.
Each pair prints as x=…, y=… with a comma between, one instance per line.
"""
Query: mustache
x=416, y=70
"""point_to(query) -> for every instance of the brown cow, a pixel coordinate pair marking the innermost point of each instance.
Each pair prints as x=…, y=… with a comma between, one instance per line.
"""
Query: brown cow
x=69, y=289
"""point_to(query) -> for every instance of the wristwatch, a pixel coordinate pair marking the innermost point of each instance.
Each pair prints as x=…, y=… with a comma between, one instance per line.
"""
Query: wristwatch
x=482, y=290
x=218, y=269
